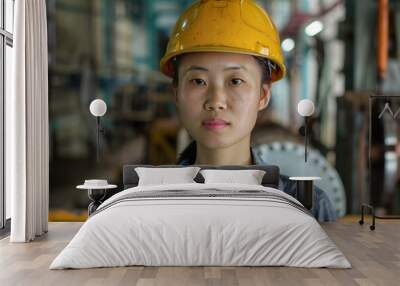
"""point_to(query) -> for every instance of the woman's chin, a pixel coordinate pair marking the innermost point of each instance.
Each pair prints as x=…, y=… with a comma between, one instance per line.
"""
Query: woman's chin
x=216, y=140
x=215, y=143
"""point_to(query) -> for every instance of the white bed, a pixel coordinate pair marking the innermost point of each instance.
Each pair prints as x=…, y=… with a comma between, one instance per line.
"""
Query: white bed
x=222, y=225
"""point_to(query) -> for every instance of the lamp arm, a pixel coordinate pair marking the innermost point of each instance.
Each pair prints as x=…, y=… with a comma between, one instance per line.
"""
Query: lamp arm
x=306, y=138
x=98, y=138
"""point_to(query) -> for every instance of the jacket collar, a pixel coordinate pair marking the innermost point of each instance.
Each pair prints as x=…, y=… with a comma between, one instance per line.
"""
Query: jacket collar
x=256, y=158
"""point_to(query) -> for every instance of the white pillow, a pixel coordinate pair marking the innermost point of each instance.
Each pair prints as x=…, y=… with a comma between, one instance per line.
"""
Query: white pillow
x=162, y=176
x=249, y=177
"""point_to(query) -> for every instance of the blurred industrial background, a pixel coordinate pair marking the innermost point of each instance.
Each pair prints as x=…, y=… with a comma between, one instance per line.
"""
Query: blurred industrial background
x=110, y=49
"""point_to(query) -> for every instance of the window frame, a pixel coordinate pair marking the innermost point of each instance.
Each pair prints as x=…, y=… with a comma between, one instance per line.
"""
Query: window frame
x=6, y=39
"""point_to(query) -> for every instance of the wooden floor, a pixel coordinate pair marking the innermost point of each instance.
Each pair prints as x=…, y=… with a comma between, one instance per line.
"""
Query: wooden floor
x=374, y=255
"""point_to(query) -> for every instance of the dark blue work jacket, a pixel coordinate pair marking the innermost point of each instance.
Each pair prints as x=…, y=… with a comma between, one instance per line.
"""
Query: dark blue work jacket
x=322, y=207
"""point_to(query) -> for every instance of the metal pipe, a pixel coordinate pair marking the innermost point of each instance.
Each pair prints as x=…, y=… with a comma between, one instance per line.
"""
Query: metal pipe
x=383, y=39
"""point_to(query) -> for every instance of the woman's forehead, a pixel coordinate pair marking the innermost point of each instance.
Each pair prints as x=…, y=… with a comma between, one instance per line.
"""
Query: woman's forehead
x=217, y=60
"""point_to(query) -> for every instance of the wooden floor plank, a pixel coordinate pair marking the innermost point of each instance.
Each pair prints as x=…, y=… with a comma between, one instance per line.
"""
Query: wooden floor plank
x=374, y=255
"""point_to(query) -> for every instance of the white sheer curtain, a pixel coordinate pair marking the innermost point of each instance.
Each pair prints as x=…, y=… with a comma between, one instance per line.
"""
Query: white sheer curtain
x=27, y=140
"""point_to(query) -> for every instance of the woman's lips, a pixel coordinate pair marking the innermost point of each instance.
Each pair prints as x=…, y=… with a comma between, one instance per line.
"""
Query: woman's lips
x=214, y=124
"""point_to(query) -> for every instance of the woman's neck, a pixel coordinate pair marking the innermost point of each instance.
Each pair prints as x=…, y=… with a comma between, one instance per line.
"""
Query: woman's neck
x=237, y=154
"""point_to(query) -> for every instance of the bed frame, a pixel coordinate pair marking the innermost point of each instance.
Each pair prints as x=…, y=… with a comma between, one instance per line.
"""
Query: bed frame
x=130, y=179
x=270, y=179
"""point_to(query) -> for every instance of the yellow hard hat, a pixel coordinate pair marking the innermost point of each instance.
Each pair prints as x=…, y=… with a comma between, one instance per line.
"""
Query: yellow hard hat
x=238, y=26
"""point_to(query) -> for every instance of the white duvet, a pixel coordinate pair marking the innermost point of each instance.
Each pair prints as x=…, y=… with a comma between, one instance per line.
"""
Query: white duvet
x=183, y=231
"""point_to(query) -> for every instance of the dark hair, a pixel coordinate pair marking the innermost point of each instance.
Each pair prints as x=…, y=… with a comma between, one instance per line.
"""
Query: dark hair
x=188, y=154
x=175, y=65
x=265, y=64
x=266, y=68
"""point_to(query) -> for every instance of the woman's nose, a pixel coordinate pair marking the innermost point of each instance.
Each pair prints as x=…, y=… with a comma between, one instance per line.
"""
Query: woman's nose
x=216, y=100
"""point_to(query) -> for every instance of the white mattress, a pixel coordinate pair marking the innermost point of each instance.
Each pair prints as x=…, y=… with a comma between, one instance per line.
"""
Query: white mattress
x=183, y=231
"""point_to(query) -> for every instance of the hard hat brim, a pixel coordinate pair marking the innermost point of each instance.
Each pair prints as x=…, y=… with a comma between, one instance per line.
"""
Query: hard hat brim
x=167, y=68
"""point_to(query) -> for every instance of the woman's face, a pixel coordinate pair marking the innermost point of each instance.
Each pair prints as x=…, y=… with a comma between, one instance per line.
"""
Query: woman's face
x=218, y=97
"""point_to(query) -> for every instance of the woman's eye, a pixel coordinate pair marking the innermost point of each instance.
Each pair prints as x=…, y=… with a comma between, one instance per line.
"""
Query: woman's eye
x=236, y=81
x=198, y=81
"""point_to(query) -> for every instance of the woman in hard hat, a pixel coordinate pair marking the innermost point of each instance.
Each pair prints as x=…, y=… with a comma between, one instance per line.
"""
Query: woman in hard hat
x=223, y=57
